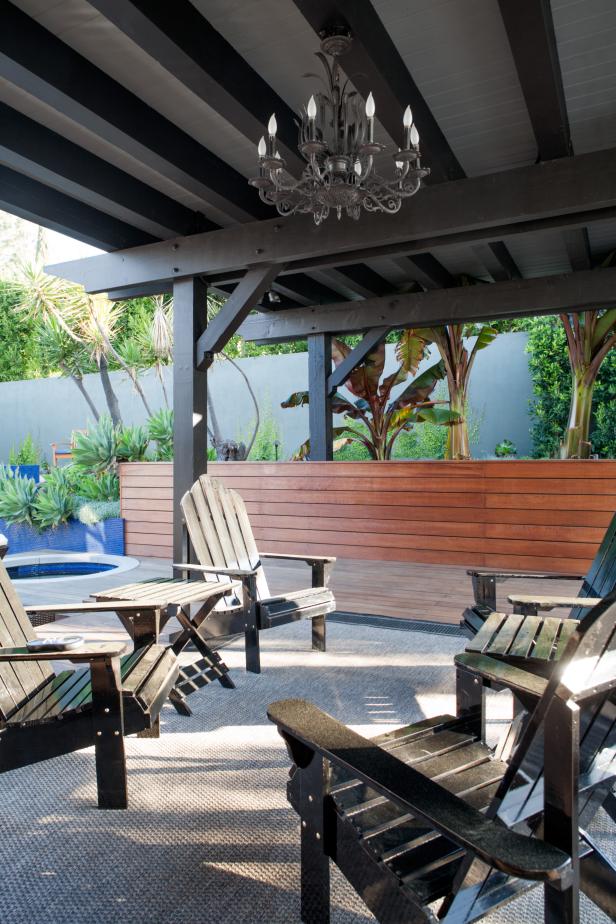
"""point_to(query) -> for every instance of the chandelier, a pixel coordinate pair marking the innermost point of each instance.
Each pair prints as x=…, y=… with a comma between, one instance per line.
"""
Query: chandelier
x=336, y=139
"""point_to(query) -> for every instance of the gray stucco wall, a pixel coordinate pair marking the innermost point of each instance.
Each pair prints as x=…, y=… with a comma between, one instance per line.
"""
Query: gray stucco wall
x=49, y=409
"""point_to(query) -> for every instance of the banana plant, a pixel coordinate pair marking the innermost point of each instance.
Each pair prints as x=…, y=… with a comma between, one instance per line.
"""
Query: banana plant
x=458, y=362
x=384, y=416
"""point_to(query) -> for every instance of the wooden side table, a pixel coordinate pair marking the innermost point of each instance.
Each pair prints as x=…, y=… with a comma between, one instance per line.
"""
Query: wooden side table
x=155, y=602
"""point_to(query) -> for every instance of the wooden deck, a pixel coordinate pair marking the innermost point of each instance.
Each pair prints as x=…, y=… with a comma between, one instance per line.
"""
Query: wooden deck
x=406, y=590
x=400, y=589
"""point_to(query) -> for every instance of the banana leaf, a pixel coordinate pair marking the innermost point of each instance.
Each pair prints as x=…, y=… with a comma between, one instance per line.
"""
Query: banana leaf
x=410, y=350
x=420, y=388
x=364, y=380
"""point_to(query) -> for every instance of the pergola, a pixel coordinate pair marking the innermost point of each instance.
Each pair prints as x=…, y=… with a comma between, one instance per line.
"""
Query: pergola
x=133, y=126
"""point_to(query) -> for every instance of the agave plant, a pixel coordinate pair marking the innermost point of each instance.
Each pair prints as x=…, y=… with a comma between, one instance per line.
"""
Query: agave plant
x=17, y=499
x=96, y=451
x=384, y=416
x=132, y=444
x=53, y=506
x=160, y=430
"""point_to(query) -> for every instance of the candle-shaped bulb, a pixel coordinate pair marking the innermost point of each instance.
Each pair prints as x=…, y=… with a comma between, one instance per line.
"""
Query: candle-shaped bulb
x=357, y=168
x=414, y=137
x=272, y=126
x=311, y=108
x=399, y=163
x=370, y=107
x=407, y=120
x=262, y=147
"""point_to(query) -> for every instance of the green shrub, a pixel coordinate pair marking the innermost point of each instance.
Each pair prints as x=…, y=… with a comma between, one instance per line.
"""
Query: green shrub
x=160, y=431
x=53, y=506
x=27, y=453
x=132, y=444
x=17, y=499
x=96, y=511
x=96, y=451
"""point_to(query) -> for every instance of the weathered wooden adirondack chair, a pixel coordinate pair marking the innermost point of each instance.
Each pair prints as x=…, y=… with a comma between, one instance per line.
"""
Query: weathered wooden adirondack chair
x=220, y=534
x=44, y=714
x=599, y=581
x=429, y=813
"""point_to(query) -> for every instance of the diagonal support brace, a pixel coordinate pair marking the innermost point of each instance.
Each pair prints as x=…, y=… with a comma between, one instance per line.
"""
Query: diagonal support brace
x=242, y=300
x=357, y=355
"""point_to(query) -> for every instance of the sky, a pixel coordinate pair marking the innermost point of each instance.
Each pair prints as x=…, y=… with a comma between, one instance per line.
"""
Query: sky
x=18, y=241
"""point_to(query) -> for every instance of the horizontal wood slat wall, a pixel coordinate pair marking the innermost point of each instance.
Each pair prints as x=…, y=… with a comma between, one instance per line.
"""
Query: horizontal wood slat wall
x=511, y=514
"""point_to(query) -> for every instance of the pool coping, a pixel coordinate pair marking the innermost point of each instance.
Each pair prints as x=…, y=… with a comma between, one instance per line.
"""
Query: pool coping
x=121, y=562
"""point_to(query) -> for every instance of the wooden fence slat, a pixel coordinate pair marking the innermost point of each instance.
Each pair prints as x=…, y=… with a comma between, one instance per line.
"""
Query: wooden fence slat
x=523, y=514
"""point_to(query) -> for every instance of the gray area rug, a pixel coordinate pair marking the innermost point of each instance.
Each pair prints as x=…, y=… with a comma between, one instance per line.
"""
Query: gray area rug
x=208, y=835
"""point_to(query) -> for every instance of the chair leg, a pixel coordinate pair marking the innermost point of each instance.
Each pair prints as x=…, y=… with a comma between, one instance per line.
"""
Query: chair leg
x=318, y=633
x=253, y=652
x=561, y=907
x=108, y=724
x=315, y=872
x=179, y=702
x=153, y=731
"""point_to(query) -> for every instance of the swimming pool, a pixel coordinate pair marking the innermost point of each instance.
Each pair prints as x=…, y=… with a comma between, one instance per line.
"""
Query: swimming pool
x=69, y=566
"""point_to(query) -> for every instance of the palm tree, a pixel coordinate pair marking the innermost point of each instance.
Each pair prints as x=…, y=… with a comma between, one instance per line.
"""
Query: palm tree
x=74, y=314
x=59, y=351
x=154, y=338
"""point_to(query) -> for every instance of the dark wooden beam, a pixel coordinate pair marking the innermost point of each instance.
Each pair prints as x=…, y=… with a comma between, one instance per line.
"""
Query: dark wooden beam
x=530, y=30
x=514, y=298
x=38, y=62
x=243, y=299
x=578, y=248
x=430, y=272
x=182, y=41
x=375, y=64
x=45, y=206
x=559, y=193
x=42, y=154
x=502, y=254
x=320, y=406
x=369, y=341
x=305, y=289
x=189, y=399
x=363, y=280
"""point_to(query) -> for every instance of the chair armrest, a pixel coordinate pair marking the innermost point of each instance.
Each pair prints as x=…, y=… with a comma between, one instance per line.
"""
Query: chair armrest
x=514, y=854
x=550, y=603
x=212, y=569
x=104, y=606
x=526, y=575
x=94, y=651
x=306, y=558
x=502, y=673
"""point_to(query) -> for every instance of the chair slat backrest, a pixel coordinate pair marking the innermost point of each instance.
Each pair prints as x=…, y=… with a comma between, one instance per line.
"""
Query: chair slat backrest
x=588, y=664
x=601, y=577
x=219, y=529
x=18, y=682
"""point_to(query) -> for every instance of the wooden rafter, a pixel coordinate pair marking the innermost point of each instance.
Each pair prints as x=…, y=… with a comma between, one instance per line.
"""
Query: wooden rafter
x=530, y=30
x=38, y=62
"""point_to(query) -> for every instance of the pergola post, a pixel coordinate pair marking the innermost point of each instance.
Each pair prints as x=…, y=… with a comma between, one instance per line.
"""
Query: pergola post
x=189, y=398
x=320, y=405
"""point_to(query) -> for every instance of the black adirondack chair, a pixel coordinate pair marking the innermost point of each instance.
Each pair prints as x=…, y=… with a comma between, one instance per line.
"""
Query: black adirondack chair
x=44, y=714
x=599, y=581
x=219, y=530
x=429, y=813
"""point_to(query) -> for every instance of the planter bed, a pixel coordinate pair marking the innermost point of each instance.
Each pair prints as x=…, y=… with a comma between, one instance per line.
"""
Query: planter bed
x=107, y=537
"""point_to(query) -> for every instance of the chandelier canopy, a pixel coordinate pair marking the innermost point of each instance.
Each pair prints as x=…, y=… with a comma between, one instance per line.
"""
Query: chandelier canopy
x=336, y=138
